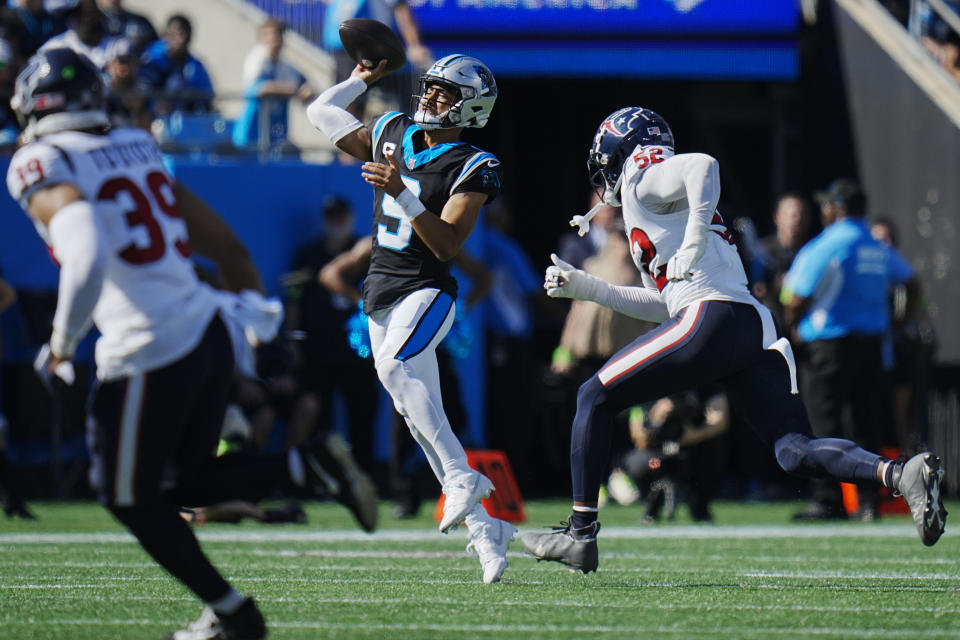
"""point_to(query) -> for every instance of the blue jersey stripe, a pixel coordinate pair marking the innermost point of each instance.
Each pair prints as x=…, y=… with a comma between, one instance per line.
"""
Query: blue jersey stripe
x=472, y=164
x=427, y=328
x=378, y=127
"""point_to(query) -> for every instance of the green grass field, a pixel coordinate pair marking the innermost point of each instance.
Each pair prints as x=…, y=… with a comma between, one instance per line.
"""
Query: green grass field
x=76, y=575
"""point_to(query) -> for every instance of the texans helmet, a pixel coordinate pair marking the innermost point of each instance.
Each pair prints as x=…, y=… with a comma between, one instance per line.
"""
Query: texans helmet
x=473, y=84
x=617, y=136
x=58, y=90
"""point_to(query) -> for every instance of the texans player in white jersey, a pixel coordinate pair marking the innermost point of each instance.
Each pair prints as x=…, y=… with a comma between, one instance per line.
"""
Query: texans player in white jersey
x=428, y=190
x=712, y=331
x=117, y=224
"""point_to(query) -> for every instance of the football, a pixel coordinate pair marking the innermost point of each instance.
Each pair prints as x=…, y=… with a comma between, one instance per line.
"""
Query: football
x=369, y=41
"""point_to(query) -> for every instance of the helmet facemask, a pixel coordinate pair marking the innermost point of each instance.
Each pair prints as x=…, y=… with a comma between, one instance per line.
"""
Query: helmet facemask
x=472, y=84
x=444, y=118
x=606, y=172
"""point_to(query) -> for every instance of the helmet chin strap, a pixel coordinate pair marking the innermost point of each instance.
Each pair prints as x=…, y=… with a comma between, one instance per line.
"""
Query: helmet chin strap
x=583, y=222
x=611, y=197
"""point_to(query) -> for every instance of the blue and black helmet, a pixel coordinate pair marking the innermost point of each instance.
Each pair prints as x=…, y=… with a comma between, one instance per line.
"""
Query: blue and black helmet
x=617, y=136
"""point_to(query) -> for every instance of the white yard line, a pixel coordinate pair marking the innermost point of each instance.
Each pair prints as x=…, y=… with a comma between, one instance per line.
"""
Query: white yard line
x=630, y=631
x=712, y=606
x=690, y=532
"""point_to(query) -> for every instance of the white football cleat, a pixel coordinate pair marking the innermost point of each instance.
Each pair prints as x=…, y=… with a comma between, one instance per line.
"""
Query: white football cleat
x=461, y=495
x=490, y=541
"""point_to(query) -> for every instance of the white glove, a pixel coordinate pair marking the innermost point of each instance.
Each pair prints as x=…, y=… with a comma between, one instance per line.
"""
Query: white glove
x=41, y=364
x=260, y=317
x=563, y=280
x=680, y=265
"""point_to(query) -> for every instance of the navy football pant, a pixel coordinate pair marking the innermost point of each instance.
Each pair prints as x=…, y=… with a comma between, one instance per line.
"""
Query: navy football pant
x=708, y=342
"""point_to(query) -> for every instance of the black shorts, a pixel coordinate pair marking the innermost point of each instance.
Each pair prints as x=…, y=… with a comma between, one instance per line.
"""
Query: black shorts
x=151, y=432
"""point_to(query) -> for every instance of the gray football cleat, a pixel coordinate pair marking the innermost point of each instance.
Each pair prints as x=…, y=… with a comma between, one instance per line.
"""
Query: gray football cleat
x=918, y=482
x=576, y=548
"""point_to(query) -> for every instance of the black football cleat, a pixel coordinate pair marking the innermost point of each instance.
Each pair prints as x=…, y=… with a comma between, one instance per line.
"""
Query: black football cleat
x=246, y=623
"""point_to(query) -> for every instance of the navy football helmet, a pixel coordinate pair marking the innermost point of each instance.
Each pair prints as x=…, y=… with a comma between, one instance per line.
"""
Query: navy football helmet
x=58, y=90
x=473, y=84
x=618, y=135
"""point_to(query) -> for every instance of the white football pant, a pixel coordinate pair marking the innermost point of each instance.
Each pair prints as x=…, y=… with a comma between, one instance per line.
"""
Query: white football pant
x=404, y=340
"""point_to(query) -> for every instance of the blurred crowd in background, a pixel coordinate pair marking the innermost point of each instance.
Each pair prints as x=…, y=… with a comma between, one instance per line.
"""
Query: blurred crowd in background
x=537, y=351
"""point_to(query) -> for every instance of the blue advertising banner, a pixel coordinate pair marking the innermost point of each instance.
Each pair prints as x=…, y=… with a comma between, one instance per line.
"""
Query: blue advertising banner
x=708, y=39
x=606, y=18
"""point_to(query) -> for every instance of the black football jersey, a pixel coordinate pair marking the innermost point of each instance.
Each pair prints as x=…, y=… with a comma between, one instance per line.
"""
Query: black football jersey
x=401, y=262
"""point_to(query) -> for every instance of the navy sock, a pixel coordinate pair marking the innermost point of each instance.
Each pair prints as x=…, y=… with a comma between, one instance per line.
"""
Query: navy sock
x=891, y=473
x=581, y=519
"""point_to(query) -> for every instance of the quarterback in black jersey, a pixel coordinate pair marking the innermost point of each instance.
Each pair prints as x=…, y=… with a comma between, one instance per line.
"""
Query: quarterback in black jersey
x=429, y=188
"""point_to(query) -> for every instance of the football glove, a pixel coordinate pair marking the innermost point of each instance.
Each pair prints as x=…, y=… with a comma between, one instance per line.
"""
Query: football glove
x=680, y=266
x=64, y=370
x=563, y=280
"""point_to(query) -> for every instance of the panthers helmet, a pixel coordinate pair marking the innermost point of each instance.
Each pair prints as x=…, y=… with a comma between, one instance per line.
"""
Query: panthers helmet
x=58, y=90
x=472, y=83
x=618, y=135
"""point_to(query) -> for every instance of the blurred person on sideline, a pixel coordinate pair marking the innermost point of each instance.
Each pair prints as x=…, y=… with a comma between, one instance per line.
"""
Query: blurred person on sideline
x=711, y=331
x=675, y=455
x=127, y=102
x=937, y=36
x=325, y=364
x=510, y=310
x=429, y=188
x=792, y=219
x=127, y=24
x=9, y=129
x=87, y=34
x=268, y=84
x=907, y=352
x=13, y=504
x=836, y=302
x=169, y=344
x=34, y=26
x=177, y=80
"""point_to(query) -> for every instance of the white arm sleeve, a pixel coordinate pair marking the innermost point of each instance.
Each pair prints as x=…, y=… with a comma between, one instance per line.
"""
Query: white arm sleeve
x=77, y=238
x=636, y=302
x=701, y=180
x=328, y=112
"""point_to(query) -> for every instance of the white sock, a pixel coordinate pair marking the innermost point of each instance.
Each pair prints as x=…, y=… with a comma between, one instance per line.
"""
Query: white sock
x=229, y=603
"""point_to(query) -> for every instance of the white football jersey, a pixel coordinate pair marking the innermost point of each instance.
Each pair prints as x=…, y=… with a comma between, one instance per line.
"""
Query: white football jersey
x=655, y=211
x=152, y=309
